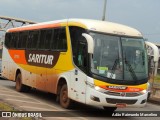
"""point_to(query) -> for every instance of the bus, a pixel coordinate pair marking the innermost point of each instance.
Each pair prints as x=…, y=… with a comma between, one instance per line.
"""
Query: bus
x=93, y=62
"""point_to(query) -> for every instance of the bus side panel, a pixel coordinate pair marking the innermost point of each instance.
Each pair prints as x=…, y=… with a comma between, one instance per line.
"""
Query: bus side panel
x=52, y=80
x=12, y=70
x=28, y=77
x=8, y=65
x=5, y=61
x=5, y=69
x=41, y=78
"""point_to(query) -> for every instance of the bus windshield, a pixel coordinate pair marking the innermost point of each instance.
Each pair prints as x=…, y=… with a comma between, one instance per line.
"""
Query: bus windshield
x=119, y=58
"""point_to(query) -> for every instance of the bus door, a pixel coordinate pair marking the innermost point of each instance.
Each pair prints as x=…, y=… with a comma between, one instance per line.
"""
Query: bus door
x=79, y=75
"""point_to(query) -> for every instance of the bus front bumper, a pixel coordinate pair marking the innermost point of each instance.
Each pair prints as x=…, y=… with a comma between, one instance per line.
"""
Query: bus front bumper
x=97, y=98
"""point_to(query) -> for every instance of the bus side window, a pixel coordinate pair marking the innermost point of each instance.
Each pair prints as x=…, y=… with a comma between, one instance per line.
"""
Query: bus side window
x=19, y=41
x=62, y=43
x=33, y=39
x=7, y=40
x=55, y=39
x=29, y=42
x=41, y=42
x=45, y=40
x=48, y=37
x=59, y=41
x=23, y=39
x=14, y=40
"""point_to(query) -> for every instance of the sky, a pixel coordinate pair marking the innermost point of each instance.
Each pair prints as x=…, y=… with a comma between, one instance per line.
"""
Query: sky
x=143, y=15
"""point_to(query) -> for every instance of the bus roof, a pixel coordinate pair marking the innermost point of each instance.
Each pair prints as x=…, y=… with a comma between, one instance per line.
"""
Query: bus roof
x=94, y=25
x=108, y=27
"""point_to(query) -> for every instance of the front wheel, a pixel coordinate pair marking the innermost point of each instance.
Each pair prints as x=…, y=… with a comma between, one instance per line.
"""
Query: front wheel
x=65, y=102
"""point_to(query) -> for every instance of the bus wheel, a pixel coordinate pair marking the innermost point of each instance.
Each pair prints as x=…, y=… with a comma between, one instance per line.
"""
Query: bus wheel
x=110, y=109
x=65, y=102
x=19, y=86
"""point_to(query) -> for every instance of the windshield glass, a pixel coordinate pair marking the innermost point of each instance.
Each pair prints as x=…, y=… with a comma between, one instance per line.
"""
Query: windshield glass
x=118, y=58
x=135, y=58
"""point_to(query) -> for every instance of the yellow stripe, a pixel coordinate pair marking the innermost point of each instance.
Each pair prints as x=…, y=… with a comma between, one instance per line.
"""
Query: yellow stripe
x=100, y=83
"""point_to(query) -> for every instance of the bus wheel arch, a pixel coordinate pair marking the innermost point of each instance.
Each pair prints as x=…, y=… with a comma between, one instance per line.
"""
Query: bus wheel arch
x=62, y=94
x=17, y=72
x=20, y=87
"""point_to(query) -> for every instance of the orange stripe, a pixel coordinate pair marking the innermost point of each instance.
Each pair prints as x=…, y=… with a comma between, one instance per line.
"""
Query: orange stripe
x=18, y=56
x=35, y=27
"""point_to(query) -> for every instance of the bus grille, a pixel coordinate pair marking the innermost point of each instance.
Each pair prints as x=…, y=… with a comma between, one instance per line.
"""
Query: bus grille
x=115, y=101
x=127, y=94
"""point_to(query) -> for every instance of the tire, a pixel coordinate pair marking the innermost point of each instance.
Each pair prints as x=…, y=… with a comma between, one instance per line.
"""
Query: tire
x=148, y=96
x=19, y=86
x=110, y=109
x=65, y=102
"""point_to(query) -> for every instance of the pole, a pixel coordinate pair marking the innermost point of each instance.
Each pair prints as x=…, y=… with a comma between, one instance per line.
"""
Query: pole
x=104, y=10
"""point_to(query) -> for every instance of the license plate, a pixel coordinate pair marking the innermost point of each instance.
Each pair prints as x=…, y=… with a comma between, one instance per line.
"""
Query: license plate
x=121, y=105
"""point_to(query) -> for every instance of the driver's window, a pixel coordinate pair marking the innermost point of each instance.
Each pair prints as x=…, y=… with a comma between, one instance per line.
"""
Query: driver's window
x=79, y=51
x=82, y=56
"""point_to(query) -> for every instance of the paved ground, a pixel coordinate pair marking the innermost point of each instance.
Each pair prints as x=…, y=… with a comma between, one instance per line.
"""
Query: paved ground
x=40, y=101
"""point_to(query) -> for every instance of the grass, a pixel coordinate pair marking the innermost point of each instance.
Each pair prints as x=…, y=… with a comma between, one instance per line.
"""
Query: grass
x=7, y=107
x=157, y=77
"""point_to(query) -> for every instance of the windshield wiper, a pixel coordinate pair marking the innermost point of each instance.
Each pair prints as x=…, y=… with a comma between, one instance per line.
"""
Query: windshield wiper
x=114, y=67
x=131, y=70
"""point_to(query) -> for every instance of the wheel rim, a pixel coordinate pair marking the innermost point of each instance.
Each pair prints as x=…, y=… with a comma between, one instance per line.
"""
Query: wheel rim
x=64, y=100
x=64, y=96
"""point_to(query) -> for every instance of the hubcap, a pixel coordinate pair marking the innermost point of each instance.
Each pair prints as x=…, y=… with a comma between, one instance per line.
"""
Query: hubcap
x=64, y=96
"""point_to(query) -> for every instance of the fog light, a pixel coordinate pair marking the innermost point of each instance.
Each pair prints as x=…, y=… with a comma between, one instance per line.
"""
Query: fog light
x=143, y=101
x=95, y=98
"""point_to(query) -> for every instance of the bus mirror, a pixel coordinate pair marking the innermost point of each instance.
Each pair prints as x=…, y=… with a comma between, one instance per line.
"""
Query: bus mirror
x=89, y=42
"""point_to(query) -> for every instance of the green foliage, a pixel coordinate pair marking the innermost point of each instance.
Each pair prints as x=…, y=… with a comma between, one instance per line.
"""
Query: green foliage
x=5, y=107
x=157, y=78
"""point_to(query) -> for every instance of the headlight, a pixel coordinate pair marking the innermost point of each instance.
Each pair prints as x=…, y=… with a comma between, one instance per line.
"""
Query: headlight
x=143, y=92
x=147, y=90
x=95, y=87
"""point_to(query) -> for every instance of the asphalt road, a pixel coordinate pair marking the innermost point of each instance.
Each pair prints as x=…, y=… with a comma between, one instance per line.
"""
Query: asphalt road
x=40, y=101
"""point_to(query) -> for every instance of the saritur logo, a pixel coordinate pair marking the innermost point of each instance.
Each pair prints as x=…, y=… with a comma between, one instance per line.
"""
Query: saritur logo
x=117, y=87
x=42, y=58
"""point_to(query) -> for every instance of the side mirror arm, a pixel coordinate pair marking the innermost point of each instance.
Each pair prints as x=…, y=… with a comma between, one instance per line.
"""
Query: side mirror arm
x=90, y=42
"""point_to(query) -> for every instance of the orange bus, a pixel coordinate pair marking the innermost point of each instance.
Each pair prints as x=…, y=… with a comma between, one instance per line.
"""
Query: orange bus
x=89, y=61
